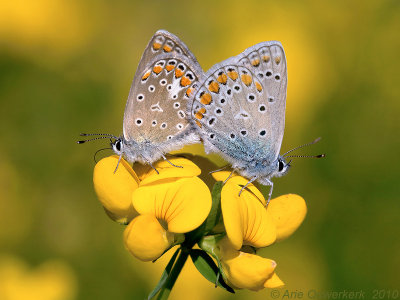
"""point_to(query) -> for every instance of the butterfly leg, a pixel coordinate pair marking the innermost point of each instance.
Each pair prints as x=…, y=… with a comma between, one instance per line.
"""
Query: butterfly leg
x=171, y=162
x=247, y=184
x=151, y=165
x=119, y=160
x=223, y=168
x=230, y=175
x=271, y=184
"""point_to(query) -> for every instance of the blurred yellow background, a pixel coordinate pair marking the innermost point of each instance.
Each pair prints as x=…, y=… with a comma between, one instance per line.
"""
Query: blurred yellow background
x=66, y=67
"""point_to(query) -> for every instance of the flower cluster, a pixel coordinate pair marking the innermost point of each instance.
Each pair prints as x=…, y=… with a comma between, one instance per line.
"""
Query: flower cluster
x=173, y=206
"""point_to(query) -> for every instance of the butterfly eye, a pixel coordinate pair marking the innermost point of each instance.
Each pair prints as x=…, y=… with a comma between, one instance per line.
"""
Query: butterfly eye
x=118, y=145
x=281, y=165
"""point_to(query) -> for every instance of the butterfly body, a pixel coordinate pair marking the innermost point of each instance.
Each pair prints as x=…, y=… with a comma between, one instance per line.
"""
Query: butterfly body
x=239, y=111
x=155, y=119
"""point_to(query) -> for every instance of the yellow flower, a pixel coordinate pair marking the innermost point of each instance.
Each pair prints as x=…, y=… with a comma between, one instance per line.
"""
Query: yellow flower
x=114, y=190
x=170, y=203
x=247, y=270
x=248, y=223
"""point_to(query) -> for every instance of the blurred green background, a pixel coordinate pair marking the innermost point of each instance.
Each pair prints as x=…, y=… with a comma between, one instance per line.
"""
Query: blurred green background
x=66, y=67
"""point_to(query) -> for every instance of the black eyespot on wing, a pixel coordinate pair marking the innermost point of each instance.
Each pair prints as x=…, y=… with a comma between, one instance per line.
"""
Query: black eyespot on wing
x=268, y=74
x=262, y=132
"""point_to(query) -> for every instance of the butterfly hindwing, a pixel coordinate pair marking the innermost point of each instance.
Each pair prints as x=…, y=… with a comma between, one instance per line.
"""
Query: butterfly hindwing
x=235, y=107
x=267, y=61
x=155, y=112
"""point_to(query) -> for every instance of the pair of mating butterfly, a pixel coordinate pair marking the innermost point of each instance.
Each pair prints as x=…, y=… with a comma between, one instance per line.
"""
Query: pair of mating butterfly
x=237, y=107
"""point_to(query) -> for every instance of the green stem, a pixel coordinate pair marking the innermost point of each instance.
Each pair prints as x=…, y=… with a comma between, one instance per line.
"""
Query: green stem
x=173, y=276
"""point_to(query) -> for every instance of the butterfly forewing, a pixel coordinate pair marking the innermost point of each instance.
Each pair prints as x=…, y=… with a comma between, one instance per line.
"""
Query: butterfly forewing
x=239, y=107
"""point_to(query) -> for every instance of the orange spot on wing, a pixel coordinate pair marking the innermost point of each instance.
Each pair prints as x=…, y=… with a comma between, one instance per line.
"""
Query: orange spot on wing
x=198, y=123
x=157, y=69
x=189, y=91
x=277, y=60
x=206, y=99
x=170, y=67
x=258, y=86
x=156, y=46
x=145, y=76
x=202, y=110
x=185, y=81
x=178, y=73
x=266, y=58
x=246, y=78
x=199, y=115
x=255, y=62
x=167, y=48
x=214, y=87
x=233, y=75
x=222, y=78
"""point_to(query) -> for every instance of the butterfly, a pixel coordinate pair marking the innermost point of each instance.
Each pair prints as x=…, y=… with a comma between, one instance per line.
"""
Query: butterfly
x=155, y=119
x=239, y=112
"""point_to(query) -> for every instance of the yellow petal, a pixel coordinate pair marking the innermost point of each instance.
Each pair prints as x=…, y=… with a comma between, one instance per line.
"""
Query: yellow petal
x=274, y=282
x=114, y=190
x=288, y=212
x=239, y=180
x=244, y=270
x=146, y=239
x=184, y=203
x=246, y=220
x=166, y=170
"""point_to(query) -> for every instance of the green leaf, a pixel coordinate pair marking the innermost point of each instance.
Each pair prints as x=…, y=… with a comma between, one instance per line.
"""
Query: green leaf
x=164, y=275
x=207, y=267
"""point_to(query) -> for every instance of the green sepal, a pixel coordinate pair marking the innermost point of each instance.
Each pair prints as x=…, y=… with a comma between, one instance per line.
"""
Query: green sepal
x=164, y=275
x=207, y=267
x=115, y=218
x=215, y=214
x=210, y=245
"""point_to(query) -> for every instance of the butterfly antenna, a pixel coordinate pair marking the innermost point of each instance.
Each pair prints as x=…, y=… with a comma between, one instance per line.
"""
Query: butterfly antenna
x=100, y=136
x=89, y=134
x=88, y=140
x=305, y=145
x=312, y=156
x=94, y=156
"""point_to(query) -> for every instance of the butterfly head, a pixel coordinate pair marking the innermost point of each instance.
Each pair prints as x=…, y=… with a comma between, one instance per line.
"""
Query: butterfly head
x=118, y=146
x=282, y=167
